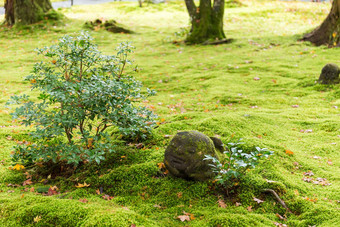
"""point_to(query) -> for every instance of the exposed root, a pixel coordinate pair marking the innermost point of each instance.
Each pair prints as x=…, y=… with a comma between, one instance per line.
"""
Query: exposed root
x=217, y=42
x=277, y=198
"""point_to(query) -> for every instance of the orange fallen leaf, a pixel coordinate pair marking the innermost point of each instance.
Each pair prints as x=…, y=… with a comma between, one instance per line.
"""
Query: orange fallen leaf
x=27, y=182
x=83, y=200
x=249, y=209
x=107, y=197
x=82, y=185
x=289, y=152
x=18, y=167
x=160, y=165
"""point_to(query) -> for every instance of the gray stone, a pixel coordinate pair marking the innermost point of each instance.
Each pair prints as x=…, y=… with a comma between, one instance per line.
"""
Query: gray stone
x=185, y=153
x=218, y=144
x=329, y=74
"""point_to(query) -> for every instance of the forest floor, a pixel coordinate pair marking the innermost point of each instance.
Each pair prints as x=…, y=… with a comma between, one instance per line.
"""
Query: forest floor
x=261, y=87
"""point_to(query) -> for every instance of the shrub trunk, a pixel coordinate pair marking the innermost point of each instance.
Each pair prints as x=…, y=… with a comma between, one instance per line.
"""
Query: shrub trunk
x=206, y=21
x=25, y=11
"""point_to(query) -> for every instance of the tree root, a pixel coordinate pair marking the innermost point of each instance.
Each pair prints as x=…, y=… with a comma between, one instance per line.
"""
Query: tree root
x=217, y=42
x=277, y=198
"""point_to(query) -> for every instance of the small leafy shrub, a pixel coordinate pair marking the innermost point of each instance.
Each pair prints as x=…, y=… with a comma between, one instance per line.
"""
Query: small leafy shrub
x=85, y=99
x=237, y=162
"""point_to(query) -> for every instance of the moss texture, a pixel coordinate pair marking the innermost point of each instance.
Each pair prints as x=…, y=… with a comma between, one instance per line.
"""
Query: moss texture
x=203, y=88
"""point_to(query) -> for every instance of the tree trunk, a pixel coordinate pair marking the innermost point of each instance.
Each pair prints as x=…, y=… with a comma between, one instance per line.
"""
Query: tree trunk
x=328, y=33
x=25, y=11
x=206, y=21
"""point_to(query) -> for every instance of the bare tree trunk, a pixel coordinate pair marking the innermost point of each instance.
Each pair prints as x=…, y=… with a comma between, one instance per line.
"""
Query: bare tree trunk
x=25, y=11
x=206, y=21
x=328, y=33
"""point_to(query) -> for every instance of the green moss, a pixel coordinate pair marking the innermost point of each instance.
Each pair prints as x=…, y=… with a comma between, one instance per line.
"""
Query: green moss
x=213, y=94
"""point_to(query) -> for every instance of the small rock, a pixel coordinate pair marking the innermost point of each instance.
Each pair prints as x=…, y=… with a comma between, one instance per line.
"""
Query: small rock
x=329, y=74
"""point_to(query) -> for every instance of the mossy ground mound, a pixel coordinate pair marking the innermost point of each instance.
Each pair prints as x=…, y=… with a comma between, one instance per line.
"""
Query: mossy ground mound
x=216, y=94
x=108, y=25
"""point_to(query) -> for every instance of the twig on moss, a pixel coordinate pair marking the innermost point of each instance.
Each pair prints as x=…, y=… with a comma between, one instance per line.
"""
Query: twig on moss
x=278, y=199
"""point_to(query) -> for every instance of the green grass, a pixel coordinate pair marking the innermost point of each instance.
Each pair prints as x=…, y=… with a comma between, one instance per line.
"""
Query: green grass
x=206, y=88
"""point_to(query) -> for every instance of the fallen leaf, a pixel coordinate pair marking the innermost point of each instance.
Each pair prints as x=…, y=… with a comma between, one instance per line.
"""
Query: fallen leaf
x=83, y=200
x=82, y=185
x=139, y=145
x=107, y=197
x=12, y=185
x=280, y=224
x=221, y=203
x=309, y=173
x=37, y=219
x=160, y=165
x=184, y=218
x=52, y=191
x=18, y=167
x=98, y=192
x=249, y=209
x=329, y=162
x=238, y=204
x=32, y=189
x=279, y=216
x=258, y=200
x=27, y=182
x=271, y=181
x=289, y=152
x=28, y=176
x=179, y=195
x=295, y=106
x=256, y=78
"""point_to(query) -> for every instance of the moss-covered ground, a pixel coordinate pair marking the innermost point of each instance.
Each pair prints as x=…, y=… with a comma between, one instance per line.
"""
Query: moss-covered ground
x=261, y=87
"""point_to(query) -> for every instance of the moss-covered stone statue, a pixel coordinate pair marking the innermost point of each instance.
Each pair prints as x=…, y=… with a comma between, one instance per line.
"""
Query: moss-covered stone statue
x=329, y=74
x=185, y=153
